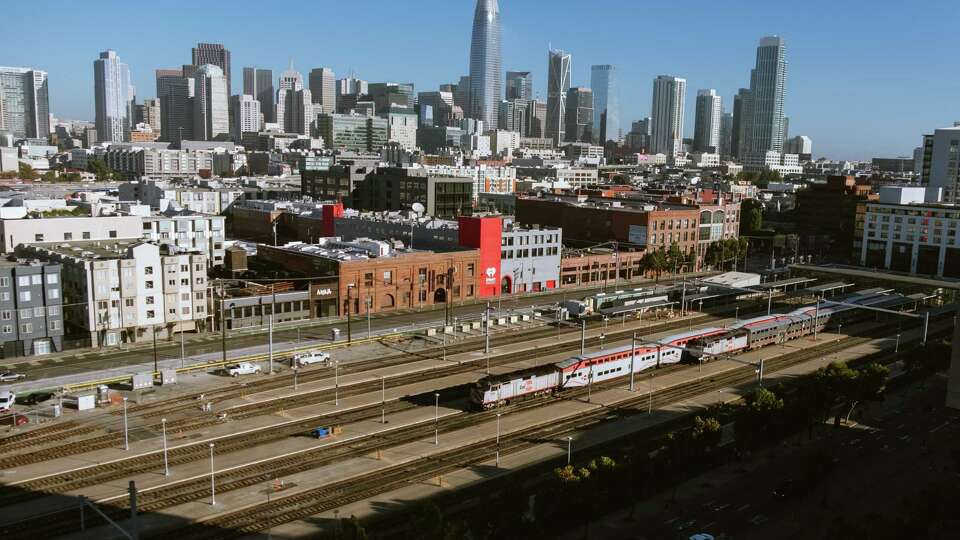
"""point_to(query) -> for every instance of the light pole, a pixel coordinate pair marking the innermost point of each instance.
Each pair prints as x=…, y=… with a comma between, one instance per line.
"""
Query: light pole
x=436, y=419
x=816, y=319
x=296, y=371
x=270, y=344
x=569, y=449
x=896, y=348
x=650, y=401
x=213, y=485
x=349, y=315
x=182, y=351
x=369, y=301
x=583, y=335
x=633, y=358
x=336, y=383
x=166, y=464
x=126, y=434
x=383, y=400
x=498, y=439
x=736, y=315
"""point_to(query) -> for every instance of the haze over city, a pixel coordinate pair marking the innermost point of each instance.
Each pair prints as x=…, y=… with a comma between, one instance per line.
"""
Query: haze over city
x=863, y=78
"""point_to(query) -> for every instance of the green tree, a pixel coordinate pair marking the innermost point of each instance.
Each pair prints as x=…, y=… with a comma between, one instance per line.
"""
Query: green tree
x=656, y=261
x=706, y=434
x=100, y=169
x=751, y=216
x=759, y=420
x=675, y=258
x=27, y=173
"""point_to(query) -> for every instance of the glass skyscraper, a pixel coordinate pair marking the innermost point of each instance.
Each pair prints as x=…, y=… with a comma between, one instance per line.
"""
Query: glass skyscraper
x=767, y=80
x=558, y=82
x=606, y=103
x=485, y=72
x=113, y=96
x=24, y=102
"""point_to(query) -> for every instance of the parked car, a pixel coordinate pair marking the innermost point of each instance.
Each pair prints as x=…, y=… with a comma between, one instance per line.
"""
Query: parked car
x=312, y=357
x=9, y=376
x=7, y=399
x=243, y=368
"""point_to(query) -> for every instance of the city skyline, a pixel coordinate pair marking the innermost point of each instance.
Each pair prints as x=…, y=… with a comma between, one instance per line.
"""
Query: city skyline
x=844, y=106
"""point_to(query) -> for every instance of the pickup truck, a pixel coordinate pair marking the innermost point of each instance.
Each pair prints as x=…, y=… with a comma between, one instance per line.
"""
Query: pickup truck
x=312, y=357
x=243, y=368
x=7, y=399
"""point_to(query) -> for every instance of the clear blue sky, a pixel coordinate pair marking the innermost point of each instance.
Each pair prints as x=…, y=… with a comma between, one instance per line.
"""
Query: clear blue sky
x=866, y=78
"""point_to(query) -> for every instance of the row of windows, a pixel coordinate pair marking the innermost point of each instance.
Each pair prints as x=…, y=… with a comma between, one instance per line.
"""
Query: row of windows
x=27, y=296
x=33, y=279
x=27, y=328
x=524, y=253
x=85, y=235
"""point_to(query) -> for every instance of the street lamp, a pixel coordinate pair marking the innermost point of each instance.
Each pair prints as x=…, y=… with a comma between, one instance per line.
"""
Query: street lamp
x=896, y=348
x=126, y=434
x=166, y=464
x=436, y=419
x=383, y=400
x=569, y=449
x=498, y=439
x=336, y=383
x=369, y=301
x=213, y=486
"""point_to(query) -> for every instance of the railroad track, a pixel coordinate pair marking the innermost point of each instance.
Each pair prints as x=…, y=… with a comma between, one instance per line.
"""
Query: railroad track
x=306, y=503
x=325, y=395
x=192, y=489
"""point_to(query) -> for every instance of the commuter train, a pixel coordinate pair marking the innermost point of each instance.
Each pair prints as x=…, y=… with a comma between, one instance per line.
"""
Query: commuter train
x=607, y=364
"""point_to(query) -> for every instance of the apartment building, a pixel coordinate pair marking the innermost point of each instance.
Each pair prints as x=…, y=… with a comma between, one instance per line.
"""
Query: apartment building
x=31, y=316
x=188, y=232
x=30, y=230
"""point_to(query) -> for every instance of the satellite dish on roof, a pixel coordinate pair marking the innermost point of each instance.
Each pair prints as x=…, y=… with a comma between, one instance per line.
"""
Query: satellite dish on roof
x=418, y=208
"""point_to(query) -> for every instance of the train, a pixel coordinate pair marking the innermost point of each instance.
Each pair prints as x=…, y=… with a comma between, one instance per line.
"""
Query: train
x=694, y=345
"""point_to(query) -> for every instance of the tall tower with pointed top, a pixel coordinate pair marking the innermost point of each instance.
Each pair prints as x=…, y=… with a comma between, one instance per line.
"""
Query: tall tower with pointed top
x=485, y=63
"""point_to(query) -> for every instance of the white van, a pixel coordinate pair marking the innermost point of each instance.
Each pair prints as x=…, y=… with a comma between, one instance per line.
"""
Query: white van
x=312, y=357
x=7, y=399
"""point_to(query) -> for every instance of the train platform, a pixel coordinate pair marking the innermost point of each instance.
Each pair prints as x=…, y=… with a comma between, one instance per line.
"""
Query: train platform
x=314, y=478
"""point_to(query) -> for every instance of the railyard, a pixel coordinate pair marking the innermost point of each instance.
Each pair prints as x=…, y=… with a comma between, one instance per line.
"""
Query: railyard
x=408, y=429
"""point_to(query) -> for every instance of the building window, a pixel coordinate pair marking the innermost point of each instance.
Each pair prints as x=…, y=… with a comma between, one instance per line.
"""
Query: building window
x=25, y=296
x=86, y=235
x=128, y=302
x=5, y=296
x=113, y=234
x=101, y=304
x=368, y=279
x=26, y=313
x=68, y=236
x=148, y=284
x=151, y=314
x=7, y=315
x=53, y=279
x=4, y=282
x=387, y=277
x=148, y=270
x=23, y=281
x=26, y=328
x=149, y=300
x=7, y=329
x=36, y=279
x=38, y=311
x=53, y=311
x=471, y=268
x=55, y=325
x=38, y=237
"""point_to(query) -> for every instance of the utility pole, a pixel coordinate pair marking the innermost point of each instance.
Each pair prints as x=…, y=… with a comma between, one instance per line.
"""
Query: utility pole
x=633, y=358
x=126, y=431
x=270, y=344
x=154, y=332
x=369, y=301
x=349, y=311
x=816, y=319
x=583, y=336
x=223, y=327
x=134, y=522
x=182, y=348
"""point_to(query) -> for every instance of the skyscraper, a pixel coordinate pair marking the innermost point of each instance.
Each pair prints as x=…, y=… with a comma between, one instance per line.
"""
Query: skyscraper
x=259, y=84
x=24, y=102
x=558, y=82
x=299, y=111
x=323, y=89
x=606, y=103
x=290, y=81
x=519, y=85
x=726, y=135
x=536, y=119
x=666, y=118
x=213, y=53
x=485, y=71
x=211, y=113
x=113, y=97
x=742, y=116
x=513, y=115
x=245, y=116
x=767, y=82
x=706, y=128
x=175, y=93
x=461, y=94
x=579, y=115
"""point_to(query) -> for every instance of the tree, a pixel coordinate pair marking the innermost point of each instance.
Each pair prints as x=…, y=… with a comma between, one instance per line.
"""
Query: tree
x=100, y=169
x=759, y=420
x=675, y=257
x=751, y=216
x=656, y=261
x=27, y=172
x=707, y=434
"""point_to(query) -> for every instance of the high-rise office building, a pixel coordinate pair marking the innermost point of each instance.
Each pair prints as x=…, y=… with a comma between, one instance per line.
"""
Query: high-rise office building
x=485, y=71
x=706, y=127
x=323, y=89
x=24, y=102
x=513, y=115
x=211, y=112
x=726, y=135
x=519, y=85
x=666, y=118
x=558, y=82
x=536, y=119
x=742, y=117
x=113, y=97
x=639, y=136
x=175, y=93
x=259, y=84
x=461, y=94
x=290, y=81
x=387, y=95
x=149, y=113
x=216, y=54
x=299, y=111
x=944, y=162
x=245, y=116
x=606, y=103
x=441, y=109
x=767, y=85
x=579, y=115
